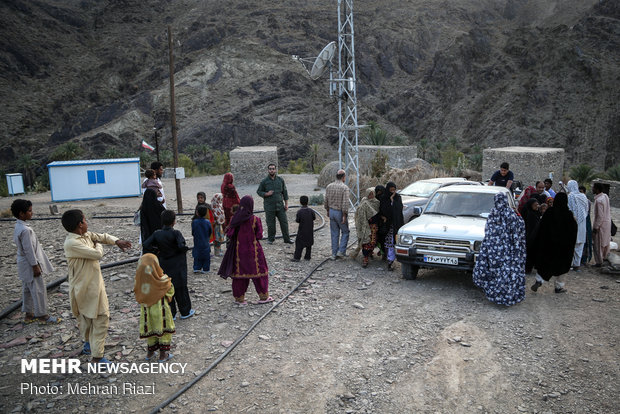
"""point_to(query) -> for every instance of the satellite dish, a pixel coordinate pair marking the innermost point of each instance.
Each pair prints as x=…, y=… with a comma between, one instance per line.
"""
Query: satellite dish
x=323, y=60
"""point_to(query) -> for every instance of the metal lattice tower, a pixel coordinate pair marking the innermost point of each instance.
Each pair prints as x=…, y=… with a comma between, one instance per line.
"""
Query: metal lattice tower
x=345, y=85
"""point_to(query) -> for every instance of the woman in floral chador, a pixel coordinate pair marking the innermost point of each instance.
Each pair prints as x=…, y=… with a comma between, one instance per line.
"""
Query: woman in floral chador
x=500, y=268
x=218, y=223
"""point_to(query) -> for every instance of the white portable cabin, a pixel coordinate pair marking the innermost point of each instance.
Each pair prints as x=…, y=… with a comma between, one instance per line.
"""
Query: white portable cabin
x=92, y=179
x=15, y=183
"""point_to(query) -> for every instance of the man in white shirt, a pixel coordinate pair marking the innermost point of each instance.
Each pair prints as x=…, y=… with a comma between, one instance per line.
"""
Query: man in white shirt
x=158, y=167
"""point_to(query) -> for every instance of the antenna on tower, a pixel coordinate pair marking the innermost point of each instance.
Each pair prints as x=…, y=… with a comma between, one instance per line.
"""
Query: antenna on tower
x=346, y=85
x=320, y=63
x=343, y=84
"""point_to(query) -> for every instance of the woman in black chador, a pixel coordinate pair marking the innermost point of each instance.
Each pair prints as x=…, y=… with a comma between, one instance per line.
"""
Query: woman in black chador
x=555, y=243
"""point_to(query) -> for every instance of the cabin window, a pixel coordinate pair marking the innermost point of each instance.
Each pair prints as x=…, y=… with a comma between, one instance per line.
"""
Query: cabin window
x=96, y=176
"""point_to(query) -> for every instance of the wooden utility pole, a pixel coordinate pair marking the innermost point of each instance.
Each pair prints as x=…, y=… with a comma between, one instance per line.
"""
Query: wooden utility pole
x=156, y=142
x=173, y=122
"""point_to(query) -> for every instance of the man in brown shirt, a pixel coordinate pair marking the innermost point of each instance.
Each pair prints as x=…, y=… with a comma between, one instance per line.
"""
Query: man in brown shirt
x=337, y=207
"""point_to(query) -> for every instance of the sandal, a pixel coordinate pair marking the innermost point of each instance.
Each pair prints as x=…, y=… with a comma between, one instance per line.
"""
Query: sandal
x=269, y=299
x=189, y=315
x=51, y=320
x=241, y=304
x=169, y=356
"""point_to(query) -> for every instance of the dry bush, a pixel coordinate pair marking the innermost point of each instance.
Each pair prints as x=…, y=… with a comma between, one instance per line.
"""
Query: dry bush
x=404, y=177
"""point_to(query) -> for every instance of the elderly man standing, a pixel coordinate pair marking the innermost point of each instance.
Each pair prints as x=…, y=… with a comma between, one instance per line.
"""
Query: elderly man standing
x=337, y=207
x=273, y=190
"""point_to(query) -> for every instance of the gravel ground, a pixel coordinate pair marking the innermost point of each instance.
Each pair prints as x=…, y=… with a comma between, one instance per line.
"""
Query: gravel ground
x=350, y=340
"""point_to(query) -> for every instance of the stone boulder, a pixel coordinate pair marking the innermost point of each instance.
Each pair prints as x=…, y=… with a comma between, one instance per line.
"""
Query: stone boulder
x=328, y=174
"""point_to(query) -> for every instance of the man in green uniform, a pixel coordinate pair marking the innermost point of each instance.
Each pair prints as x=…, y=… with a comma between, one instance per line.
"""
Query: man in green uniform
x=273, y=191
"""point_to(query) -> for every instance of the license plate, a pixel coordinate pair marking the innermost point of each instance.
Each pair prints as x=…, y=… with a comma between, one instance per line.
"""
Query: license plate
x=453, y=261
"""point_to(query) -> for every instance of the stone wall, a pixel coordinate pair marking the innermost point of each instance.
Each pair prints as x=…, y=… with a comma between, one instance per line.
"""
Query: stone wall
x=249, y=164
x=398, y=156
x=614, y=191
x=528, y=164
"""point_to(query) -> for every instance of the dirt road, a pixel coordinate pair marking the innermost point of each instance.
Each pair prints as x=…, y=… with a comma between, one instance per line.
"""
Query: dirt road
x=350, y=340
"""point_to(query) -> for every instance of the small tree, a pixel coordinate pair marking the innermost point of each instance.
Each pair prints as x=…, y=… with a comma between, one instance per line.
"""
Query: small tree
x=187, y=163
x=297, y=166
x=27, y=164
x=115, y=153
x=314, y=157
x=378, y=165
x=220, y=163
x=475, y=158
x=67, y=151
x=423, y=146
x=613, y=173
x=583, y=174
x=375, y=135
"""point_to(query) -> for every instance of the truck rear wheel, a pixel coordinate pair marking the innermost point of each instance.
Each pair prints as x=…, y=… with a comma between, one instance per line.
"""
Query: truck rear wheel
x=410, y=271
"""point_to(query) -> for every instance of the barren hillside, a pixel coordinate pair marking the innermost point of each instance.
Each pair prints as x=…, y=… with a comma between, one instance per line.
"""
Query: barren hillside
x=486, y=73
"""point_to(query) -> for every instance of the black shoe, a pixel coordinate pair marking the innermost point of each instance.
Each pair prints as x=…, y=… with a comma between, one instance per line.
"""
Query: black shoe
x=270, y=241
x=294, y=260
x=289, y=242
x=536, y=285
x=560, y=290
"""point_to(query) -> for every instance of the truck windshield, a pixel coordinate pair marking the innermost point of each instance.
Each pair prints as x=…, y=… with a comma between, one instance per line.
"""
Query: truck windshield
x=420, y=189
x=461, y=204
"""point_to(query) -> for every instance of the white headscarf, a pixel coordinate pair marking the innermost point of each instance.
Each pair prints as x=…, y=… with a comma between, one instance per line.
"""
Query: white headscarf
x=578, y=204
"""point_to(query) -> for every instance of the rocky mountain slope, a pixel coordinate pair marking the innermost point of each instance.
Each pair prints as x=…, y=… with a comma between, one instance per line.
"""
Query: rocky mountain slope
x=483, y=72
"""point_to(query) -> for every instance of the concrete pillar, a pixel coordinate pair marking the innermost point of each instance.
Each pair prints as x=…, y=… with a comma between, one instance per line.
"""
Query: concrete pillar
x=528, y=164
x=249, y=164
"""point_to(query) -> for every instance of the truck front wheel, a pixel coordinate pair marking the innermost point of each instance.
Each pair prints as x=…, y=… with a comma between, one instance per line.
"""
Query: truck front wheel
x=410, y=271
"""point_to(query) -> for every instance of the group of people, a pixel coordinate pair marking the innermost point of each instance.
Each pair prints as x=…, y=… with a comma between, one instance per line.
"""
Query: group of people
x=377, y=220
x=548, y=232
x=550, y=239
x=87, y=295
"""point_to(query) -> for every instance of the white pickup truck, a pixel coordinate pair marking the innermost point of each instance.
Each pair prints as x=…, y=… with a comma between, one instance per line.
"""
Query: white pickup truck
x=449, y=231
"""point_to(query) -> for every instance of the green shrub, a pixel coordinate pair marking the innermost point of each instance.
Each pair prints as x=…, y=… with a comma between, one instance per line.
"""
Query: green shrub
x=297, y=166
x=116, y=153
x=4, y=188
x=583, y=174
x=452, y=159
x=374, y=134
x=189, y=165
x=474, y=158
x=146, y=158
x=613, y=173
x=220, y=164
x=67, y=151
x=422, y=148
x=316, y=200
x=378, y=164
x=42, y=183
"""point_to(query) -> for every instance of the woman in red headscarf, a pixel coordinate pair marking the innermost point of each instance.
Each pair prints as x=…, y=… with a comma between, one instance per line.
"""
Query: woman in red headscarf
x=231, y=198
x=527, y=193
